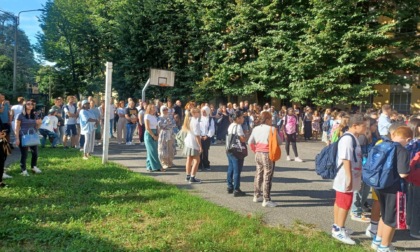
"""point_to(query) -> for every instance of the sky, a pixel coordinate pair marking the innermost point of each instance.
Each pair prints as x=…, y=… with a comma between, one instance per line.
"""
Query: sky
x=28, y=20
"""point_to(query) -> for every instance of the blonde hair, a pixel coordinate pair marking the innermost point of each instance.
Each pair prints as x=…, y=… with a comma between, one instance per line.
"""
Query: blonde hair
x=188, y=116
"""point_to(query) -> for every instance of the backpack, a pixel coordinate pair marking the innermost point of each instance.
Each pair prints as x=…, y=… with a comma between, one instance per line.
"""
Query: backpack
x=414, y=176
x=274, y=152
x=326, y=160
x=379, y=171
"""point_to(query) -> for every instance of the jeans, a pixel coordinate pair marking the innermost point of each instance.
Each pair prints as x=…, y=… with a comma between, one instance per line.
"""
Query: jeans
x=52, y=135
x=130, y=131
x=360, y=198
x=111, y=124
x=234, y=172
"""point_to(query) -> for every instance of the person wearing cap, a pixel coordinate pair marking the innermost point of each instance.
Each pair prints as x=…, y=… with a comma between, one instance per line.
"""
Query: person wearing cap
x=49, y=128
x=87, y=128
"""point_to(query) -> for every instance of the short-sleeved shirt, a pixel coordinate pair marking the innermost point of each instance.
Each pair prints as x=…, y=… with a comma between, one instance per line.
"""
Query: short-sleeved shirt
x=4, y=116
x=49, y=123
x=383, y=125
x=190, y=139
x=132, y=113
x=17, y=109
x=402, y=166
x=345, y=152
x=290, y=126
x=70, y=109
x=25, y=124
x=153, y=121
x=238, y=129
x=85, y=125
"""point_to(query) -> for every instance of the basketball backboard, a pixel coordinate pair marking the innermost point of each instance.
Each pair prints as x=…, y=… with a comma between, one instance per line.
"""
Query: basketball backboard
x=162, y=78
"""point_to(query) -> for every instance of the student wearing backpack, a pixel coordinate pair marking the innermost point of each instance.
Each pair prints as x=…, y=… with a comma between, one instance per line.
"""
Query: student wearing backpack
x=290, y=129
x=388, y=195
x=349, y=176
x=413, y=191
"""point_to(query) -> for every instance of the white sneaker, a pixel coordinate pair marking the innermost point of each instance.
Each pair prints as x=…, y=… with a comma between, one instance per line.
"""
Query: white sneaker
x=269, y=204
x=297, y=159
x=342, y=236
x=258, y=199
x=127, y=143
x=288, y=158
x=25, y=173
x=6, y=176
x=386, y=249
x=132, y=143
x=119, y=142
x=369, y=232
x=348, y=230
x=36, y=170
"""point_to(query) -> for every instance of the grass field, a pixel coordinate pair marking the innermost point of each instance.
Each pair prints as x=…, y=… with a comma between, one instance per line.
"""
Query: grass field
x=77, y=205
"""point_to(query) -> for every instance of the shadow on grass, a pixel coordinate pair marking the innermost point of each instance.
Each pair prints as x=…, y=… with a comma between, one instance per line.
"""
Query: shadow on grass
x=34, y=209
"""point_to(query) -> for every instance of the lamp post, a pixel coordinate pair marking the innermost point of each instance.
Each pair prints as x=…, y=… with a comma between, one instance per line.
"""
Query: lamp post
x=16, y=19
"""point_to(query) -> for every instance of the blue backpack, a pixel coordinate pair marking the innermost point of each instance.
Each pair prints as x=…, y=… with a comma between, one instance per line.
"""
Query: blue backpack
x=378, y=171
x=326, y=160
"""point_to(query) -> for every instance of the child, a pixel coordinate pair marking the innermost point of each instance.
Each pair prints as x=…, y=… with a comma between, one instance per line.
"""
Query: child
x=349, y=176
x=388, y=196
x=372, y=229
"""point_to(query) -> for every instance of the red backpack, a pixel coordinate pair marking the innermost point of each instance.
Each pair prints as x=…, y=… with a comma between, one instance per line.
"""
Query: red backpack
x=414, y=176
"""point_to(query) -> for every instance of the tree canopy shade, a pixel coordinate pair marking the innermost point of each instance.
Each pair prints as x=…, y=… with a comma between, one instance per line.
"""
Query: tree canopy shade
x=323, y=51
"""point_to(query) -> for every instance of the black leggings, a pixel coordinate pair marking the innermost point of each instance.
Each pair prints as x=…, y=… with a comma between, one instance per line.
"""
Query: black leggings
x=291, y=138
x=24, y=155
x=3, y=158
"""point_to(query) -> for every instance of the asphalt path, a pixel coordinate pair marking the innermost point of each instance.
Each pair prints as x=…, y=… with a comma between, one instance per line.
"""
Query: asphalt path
x=302, y=195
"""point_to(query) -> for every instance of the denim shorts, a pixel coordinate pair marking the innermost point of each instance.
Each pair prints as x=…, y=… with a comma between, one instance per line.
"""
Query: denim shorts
x=71, y=130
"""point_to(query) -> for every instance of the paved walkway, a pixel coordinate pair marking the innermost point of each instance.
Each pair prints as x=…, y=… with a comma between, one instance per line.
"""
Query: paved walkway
x=302, y=195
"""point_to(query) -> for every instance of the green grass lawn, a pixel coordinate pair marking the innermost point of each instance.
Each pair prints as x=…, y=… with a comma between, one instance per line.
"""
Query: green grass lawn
x=77, y=205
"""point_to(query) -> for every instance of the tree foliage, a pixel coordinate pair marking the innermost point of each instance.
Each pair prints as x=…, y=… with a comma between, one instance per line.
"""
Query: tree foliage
x=323, y=52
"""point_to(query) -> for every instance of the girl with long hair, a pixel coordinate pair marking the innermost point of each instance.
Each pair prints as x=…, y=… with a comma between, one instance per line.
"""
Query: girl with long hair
x=192, y=148
x=151, y=138
x=24, y=122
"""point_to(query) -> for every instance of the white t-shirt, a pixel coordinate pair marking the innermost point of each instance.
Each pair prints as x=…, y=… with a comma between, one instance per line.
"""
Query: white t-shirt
x=17, y=109
x=345, y=152
x=72, y=109
x=238, y=129
x=190, y=139
x=49, y=123
x=153, y=122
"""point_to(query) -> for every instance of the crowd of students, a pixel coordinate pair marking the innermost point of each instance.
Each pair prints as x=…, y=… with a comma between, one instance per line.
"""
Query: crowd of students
x=193, y=128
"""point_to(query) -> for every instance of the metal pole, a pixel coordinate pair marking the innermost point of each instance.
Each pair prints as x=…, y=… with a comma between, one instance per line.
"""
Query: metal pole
x=15, y=56
x=108, y=87
x=143, y=92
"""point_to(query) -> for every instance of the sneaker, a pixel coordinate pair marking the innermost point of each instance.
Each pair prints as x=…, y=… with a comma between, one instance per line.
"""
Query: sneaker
x=385, y=249
x=269, y=204
x=36, y=170
x=119, y=142
x=288, y=158
x=297, y=159
x=369, y=233
x=194, y=180
x=230, y=190
x=187, y=178
x=127, y=143
x=85, y=158
x=207, y=168
x=238, y=193
x=348, y=230
x=25, y=173
x=342, y=236
x=366, y=208
x=359, y=217
x=141, y=144
x=375, y=244
x=6, y=176
x=417, y=236
x=132, y=143
x=258, y=199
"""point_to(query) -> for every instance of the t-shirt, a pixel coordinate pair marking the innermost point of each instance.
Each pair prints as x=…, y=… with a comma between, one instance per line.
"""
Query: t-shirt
x=190, y=139
x=49, y=123
x=4, y=116
x=120, y=111
x=345, y=152
x=17, y=109
x=25, y=124
x=291, y=122
x=70, y=108
x=132, y=113
x=402, y=166
x=238, y=129
x=153, y=122
x=384, y=122
x=85, y=125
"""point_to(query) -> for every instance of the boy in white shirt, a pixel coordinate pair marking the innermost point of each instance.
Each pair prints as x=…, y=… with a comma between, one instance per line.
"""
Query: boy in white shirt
x=349, y=176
